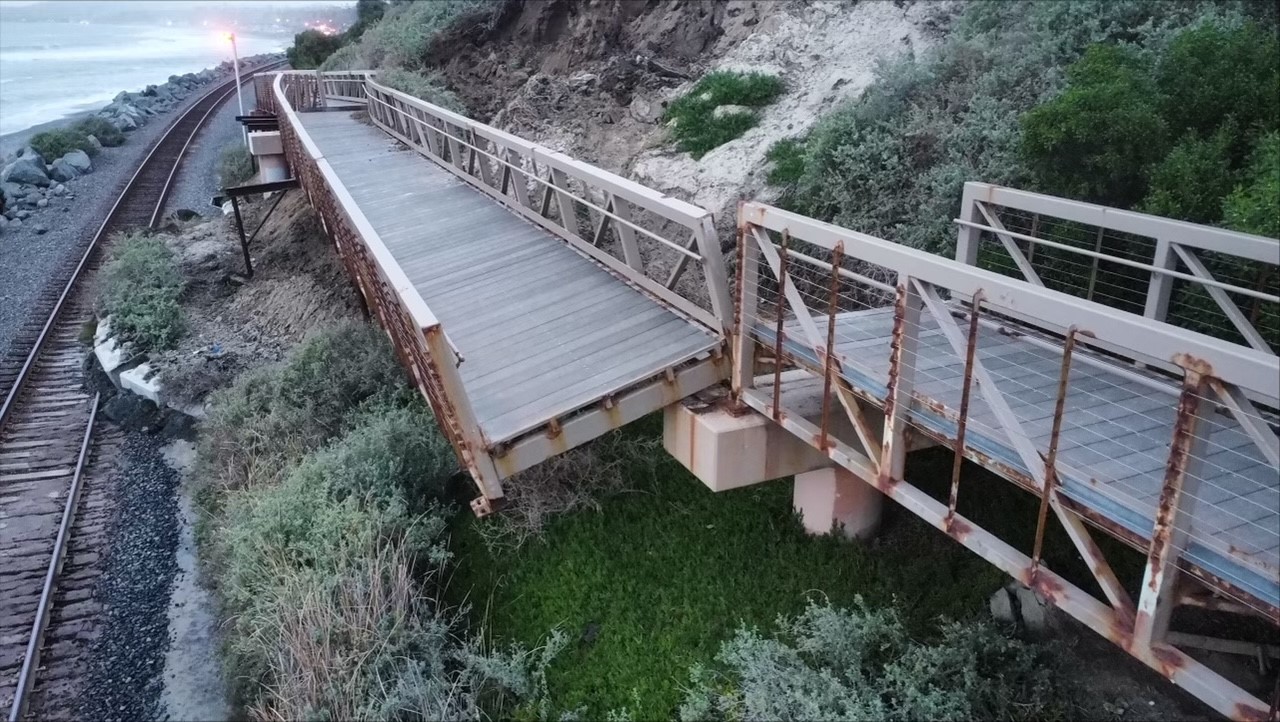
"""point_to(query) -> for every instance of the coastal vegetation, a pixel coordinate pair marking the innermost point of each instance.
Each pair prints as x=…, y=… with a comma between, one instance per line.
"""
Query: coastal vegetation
x=235, y=165
x=53, y=144
x=720, y=107
x=1153, y=106
x=141, y=285
x=102, y=129
x=324, y=514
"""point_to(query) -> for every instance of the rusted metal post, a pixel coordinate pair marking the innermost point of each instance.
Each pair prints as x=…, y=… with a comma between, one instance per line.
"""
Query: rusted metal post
x=833, y=306
x=244, y=242
x=777, y=332
x=901, y=386
x=1051, y=459
x=962, y=424
x=1175, y=510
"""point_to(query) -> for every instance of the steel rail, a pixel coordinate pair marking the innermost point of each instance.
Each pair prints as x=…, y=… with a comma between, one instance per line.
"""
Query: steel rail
x=11, y=397
x=27, y=676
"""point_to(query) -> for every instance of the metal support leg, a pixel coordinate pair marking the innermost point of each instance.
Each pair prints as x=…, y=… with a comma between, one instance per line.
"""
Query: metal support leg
x=244, y=242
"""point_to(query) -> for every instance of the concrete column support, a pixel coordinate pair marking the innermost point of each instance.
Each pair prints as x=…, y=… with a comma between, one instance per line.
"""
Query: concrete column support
x=833, y=498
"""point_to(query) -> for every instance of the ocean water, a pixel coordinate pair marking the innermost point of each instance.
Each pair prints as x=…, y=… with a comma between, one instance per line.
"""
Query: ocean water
x=52, y=70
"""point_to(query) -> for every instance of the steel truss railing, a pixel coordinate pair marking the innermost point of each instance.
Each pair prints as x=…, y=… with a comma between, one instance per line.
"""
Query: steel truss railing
x=908, y=345
x=1219, y=282
x=650, y=239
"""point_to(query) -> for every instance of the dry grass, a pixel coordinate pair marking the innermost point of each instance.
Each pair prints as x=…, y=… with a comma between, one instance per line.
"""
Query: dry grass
x=579, y=479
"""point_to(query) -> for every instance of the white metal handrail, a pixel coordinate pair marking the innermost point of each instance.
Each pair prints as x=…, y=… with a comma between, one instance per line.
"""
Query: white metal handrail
x=1169, y=244
x=512, y=170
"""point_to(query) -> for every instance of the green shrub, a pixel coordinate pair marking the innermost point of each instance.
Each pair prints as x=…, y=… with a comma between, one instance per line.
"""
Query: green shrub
x=893, y=161
x=140, y=289
x=860, y=663
x=270, y=418
x=696, y=127
x=402, y=38
x=1213, y=72
x=311, y=48
x=1096, y=140
x=235, y=165
x=102, y=129
x=1190, y=183
x=53, y=144
x=427, y=86
x=787, y=157
x=1254, y=207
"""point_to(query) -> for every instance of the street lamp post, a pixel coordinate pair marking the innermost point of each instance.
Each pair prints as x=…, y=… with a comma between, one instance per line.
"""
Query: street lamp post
x=235, y=66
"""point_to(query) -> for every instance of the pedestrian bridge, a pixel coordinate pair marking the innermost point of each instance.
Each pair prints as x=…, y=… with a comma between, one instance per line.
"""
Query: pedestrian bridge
x=1118, y=367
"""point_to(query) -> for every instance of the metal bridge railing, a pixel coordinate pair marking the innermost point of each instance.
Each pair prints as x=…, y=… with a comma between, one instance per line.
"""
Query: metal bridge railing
x=663, y=245
x=860, y=346
x=1218, y=282
x=416, y=334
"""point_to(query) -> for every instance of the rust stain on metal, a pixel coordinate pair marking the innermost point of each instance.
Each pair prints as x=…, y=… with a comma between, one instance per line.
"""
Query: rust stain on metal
x=958, y=528
x=1047, y=587
x=1051, y=459
x=1193, y=365
x=963, y=423
x=1169, y=659
x=777, y=331
x=1249, y=713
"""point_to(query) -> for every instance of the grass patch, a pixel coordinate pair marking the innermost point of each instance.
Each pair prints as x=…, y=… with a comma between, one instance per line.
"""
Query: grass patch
x=787, y=162
x=663, y=574
x=235, y=165
x=697, y=129
x=140, y=290
x=102, y=129
x=53, y=144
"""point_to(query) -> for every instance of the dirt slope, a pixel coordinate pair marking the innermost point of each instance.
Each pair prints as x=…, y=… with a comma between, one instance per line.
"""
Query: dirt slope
x=593, y=77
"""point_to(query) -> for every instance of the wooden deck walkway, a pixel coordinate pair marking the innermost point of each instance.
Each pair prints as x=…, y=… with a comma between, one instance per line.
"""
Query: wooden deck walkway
x=1114, y=443
x=542, y=329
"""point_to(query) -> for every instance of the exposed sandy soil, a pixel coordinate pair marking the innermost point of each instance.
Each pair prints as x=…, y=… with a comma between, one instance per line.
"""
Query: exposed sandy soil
x=236, y=324
x=592, y=79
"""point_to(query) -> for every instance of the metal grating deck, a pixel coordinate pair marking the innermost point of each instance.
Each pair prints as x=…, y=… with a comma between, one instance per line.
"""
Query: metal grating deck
x=542, y=329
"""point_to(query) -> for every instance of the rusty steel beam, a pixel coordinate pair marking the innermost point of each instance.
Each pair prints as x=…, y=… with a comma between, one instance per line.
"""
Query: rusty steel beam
x=901, y=386
x=1173, y=513
x=829, y=355
x=1176, y=666
x=971, y=350
x=745, y=313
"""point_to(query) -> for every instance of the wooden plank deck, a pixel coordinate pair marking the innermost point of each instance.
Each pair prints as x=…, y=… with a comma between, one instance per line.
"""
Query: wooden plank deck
x=1114, y=443
x=542, y=329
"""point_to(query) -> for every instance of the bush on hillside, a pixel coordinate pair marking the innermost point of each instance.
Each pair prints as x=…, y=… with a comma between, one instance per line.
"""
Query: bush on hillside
x=893, y=161
x=140, y=289
x=1096, y=140
x=311, y=48
x=402, y=38
x=1190, y=183
x=102, y=129
x=270, y=418
x=427, y=86
x=53, y=144
x=860, y=663
x=235, y=165
x=696, y=127
x=1254, y=207
x=1215, y=72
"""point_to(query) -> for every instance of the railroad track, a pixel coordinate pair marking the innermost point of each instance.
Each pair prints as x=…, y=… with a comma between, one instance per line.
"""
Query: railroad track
x=48, y=444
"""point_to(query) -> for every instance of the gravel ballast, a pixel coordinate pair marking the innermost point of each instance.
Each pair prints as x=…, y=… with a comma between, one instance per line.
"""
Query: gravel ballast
x=127, y=659
x=198, y=176
x=31, y=254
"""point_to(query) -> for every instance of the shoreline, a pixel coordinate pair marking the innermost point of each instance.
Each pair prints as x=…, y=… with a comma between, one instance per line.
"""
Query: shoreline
x=11, y=142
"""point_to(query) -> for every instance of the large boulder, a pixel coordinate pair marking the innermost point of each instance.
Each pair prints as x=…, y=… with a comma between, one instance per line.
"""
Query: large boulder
x=32, y=153
x=63, y=171
x=94, y=142
x=124, y=122
x=25, y=170
x=79, y=160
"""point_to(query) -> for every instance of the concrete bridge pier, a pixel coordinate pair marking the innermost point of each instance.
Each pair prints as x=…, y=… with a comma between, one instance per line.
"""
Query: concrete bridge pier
x=834, y=500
